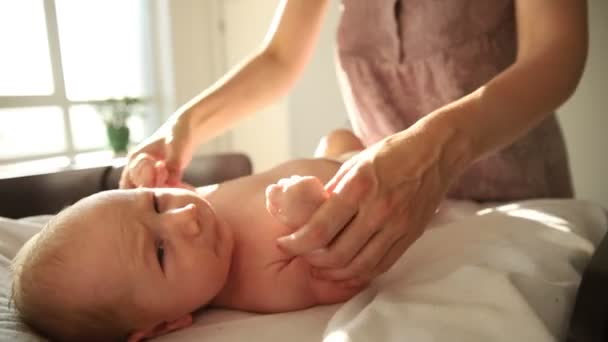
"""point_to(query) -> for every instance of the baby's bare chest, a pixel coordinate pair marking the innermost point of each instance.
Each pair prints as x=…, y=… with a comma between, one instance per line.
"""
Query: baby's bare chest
x=265, y=278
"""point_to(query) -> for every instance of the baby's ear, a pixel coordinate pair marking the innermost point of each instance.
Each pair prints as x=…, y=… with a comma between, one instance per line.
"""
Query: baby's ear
x=161, y=329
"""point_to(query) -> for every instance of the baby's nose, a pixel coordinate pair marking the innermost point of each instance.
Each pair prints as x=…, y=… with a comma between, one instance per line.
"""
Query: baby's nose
x=186, y=220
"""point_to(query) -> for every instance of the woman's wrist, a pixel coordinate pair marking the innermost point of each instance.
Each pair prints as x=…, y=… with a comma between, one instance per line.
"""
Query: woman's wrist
x=459, y=139
x=456, y=149
x=430, y=145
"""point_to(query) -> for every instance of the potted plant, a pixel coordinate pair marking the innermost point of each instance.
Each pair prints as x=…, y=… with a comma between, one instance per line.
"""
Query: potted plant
x=115, y=113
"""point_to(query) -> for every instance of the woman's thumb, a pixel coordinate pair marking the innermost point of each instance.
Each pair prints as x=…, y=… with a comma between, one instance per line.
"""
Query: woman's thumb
x=174, y=165
x=160, y=174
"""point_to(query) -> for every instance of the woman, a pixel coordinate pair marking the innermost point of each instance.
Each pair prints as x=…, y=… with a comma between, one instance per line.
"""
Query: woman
x=450, y=98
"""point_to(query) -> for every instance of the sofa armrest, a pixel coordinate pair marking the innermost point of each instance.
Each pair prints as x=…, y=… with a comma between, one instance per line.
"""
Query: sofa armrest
x=48, y=193
x=203, y=170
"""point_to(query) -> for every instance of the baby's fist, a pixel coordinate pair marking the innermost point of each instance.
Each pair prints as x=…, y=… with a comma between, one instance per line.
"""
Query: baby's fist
x=293, y=200
x=146, y=171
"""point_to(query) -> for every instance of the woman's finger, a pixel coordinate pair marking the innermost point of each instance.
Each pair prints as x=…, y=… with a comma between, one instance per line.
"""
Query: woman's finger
x=365, y=263
x=337, y=178
x=396, y=251
x=327, y=221
x=161, y=175
x=324, y=225
x=347, y=244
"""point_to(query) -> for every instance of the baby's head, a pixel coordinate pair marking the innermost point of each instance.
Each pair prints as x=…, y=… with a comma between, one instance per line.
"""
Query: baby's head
x=123, y=264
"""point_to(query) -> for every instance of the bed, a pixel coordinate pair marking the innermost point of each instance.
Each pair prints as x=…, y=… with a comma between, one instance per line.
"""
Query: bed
x=503, y=272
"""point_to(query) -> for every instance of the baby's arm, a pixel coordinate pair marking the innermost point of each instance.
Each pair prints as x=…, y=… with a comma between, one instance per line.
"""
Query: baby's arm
x=293, y=200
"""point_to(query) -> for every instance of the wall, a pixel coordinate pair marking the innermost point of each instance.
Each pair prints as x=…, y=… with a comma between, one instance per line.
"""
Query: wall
x=265, y=135
x=316, y=107
x=315, y=104
x=197, y=42
x=189, y=58
x=293, y=126
x=584, y=117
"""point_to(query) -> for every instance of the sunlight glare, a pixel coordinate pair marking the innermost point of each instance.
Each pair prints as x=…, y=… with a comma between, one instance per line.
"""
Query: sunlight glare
x=25, y=63
x=541, y=217
x=337, y=336
x=102, y=48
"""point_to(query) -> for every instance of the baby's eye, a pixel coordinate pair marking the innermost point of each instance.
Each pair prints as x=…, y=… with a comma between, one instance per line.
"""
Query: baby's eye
x=160, y=254
x=155, y=203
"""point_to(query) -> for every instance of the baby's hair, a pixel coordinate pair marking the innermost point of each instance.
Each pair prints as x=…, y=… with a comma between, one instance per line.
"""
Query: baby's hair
x=42, y=302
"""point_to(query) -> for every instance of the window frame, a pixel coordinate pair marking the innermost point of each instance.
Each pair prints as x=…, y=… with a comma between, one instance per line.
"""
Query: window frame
x=59, y=98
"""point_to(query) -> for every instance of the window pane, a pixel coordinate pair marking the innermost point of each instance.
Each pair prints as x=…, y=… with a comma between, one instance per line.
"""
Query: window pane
x=101, y=48
x=31, y=131
x=89, y=131
x=136, y=125
x=25, y=64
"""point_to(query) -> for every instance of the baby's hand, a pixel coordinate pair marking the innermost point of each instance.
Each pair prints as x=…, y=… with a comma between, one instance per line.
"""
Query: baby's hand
x=146, y=171
x=293, y=200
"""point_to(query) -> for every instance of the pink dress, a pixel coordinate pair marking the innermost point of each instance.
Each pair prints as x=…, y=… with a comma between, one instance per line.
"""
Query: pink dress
x=400, y=60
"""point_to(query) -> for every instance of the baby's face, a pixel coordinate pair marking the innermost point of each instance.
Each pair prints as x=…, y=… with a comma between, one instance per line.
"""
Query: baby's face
x=165, y=250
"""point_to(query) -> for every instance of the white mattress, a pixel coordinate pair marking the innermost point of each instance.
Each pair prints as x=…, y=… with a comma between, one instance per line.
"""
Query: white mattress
x=504, y=273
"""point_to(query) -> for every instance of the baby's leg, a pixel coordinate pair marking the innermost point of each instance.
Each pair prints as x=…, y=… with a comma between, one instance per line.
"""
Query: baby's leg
x=293, y=200
x=337, y=143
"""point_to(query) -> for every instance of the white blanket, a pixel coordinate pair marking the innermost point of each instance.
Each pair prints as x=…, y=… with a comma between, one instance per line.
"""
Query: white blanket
x=506, y=273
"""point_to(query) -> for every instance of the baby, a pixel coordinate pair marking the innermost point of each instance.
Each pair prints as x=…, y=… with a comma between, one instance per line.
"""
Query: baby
x=135, y=264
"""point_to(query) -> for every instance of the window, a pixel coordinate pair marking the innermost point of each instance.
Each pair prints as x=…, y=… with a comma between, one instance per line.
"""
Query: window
x=58, y=58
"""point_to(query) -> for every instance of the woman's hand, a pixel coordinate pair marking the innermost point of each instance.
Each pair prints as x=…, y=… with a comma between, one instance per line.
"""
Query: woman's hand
x=170, y=148
x=381, y=201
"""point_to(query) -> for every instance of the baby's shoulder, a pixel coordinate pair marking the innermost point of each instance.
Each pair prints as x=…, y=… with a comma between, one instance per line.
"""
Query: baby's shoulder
x=321, y=168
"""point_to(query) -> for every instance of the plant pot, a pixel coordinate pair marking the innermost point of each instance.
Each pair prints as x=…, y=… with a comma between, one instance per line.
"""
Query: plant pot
x=118, y=138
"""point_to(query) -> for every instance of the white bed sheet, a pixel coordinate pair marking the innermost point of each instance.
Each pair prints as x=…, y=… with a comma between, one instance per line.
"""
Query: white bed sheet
x=503, y=273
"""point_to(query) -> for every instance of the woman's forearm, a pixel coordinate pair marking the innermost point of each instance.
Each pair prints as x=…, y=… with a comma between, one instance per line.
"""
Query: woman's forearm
x=549, y=65
x=264, y=77
x=505, y=109
x=251, y=85
x=493, y=116
x=514, y=102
